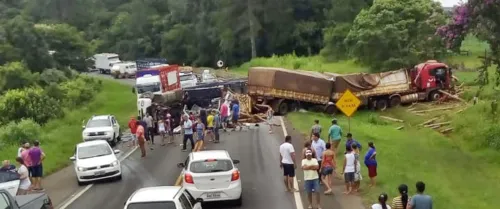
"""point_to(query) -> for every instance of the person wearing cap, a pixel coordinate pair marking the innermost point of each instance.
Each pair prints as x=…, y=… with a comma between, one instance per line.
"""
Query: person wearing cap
x=132, y=124
x=382, y=199
x=310, y=166
x=335, y=135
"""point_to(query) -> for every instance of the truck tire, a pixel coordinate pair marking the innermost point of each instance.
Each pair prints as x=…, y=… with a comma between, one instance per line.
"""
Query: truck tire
x=283, y=108
x=434, y=95
x=294, y=106
x=331, y=109
x=395, y=101
x=381, y=104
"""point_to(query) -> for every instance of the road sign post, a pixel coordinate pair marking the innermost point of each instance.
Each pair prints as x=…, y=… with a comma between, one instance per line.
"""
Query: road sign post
x=348, y=104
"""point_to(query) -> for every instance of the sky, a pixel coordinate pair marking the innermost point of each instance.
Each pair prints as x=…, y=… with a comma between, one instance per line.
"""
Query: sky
x=450, y=3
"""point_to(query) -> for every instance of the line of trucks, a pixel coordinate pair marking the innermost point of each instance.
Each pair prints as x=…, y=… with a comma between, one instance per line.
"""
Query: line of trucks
x=288, y=90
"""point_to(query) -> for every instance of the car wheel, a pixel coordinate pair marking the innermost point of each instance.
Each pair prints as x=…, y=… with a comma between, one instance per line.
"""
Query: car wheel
x=119, y=178
x=239, y=201
x=119, y=138
x=113, y=142
x=81, y=183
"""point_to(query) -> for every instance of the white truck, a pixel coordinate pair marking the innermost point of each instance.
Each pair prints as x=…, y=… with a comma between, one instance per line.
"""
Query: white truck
x=188, y=79
x=207, y=77
x=105, y=61
x=124, y=70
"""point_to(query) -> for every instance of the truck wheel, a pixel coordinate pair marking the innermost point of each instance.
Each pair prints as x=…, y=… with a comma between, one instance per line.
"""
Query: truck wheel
x=381, y=104
x=331, y=109
x=395, y=101
x=283, y=108
x=294, y=106
x=434, y=96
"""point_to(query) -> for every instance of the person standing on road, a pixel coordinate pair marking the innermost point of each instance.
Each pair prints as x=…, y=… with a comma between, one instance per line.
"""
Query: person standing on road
x=307, y=146
x=311, y=179
x=187, y=126
x=382, y=202
x=162, y=130
x=37, y=156
x=349, y=170
x=150, y=129
x=25, y=155
x=316, y=128
x=319, y=147
x=210, y=126
x=200, y=133
x=224, y=113
x=357, y=175
x=169, y=128
x=328, y=167
x=132, y=124
x=270, y=114
x=401, y=201
x=23, y=172
x=420, y=200
x=371, y=163
x=335, y=135
x=236, y=115
x=141, y=138
x=217, y=125
x=287, y=163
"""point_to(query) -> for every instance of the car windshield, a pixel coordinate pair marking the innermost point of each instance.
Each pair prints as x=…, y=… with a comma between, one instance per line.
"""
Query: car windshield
x=186, y=77
x=98, y=123
x=152, y=205
x=6, y=176
x=94, y=151
x=143, y=88
x=210, y=166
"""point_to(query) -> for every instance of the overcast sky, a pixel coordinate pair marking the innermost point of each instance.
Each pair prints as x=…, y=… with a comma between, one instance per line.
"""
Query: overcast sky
x=450, y=3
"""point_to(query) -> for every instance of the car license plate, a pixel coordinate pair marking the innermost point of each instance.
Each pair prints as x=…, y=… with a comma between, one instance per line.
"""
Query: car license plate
x=99, y=173
x=213, y=195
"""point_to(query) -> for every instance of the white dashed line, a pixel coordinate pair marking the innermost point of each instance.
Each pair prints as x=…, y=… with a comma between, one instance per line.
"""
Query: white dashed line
x=296, y=195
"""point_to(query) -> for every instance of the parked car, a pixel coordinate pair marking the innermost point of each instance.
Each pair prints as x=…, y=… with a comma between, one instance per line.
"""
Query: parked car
x=212, y=176
x=29, y=201
x=167, y=197
x=96, y=160
x=9, y=181
x=102, y=127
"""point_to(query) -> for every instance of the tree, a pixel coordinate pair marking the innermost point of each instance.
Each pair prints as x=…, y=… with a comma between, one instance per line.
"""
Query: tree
x=395, y=33
x=15, y=75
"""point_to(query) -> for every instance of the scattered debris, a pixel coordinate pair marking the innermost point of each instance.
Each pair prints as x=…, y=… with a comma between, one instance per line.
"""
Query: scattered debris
x=400, y=127
x=392, y=119
x=446, y=130
x=429, y=121
x=435, y=109
x=452, y=96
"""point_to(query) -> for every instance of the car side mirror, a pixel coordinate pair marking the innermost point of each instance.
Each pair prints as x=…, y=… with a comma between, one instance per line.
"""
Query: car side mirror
x=180, y=165
x=116, y=151
x=72, y=158
x=236, y=161
x=199, y=200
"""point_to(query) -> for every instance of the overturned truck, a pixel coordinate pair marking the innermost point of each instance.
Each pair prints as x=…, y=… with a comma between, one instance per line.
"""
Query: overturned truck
x=286, y=90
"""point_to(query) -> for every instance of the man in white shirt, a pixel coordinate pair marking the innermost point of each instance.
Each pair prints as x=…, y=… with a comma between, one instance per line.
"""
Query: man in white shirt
x=150, y=129
x=287, y=163
x=349, y=170
x=187, y=126
x=311, y=178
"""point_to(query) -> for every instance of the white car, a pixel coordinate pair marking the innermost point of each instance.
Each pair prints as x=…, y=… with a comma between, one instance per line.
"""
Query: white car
x=212, y=176
x=96, y=160
x=9, y=181
x=102, y=127
x=165, y=197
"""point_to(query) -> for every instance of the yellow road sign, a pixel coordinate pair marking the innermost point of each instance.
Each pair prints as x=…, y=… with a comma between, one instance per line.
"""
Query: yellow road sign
x=348, y=103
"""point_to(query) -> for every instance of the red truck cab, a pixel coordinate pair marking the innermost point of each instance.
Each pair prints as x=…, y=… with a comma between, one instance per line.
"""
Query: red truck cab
x=431, y=76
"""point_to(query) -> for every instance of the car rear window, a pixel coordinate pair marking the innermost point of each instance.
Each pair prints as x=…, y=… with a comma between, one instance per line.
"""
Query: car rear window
x=152, y=205
x=210, y=166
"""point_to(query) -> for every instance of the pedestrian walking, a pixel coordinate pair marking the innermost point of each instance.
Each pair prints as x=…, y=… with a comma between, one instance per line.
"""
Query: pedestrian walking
x=349, y=171
x=6, y=166
x=200, y=133
x=270, y=114
x=187, y=126
x=236, y=115
x=150, y=129
x=132, y=125
x=316, y=128
x=37, y=156
x=310, y=166
x=141, y=138
x=382, y=199
x=401, y=201
x=420, y=200
x=25, y=183
x=319, y=146
x=335, y=135
x=25, y=155
x=357, y=176
x=224, y=113
x=328, y=167
x=169, y=121
x=217, y=126
x=287, y=163
x=351, y=141
x=210, y=126
x=162, y=131
x=371, y=163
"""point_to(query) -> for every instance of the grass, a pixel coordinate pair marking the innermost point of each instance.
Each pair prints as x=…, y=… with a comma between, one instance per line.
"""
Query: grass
x=458, y=168
x=59, y=136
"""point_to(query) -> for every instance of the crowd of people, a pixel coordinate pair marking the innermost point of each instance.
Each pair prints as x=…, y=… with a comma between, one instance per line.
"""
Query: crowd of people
x=319, y=165
x=29, y=159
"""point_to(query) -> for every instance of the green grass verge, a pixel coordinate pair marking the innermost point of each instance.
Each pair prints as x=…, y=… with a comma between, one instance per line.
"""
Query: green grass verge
x=455, y=177
x=59, y=136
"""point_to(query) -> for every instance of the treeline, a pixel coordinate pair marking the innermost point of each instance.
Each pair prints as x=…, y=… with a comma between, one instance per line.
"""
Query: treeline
x=38, y=77
x=382, y=34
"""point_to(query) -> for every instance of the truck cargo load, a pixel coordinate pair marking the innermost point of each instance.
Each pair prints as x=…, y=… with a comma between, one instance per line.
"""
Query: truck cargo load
x=289, y=84
x=146, y=63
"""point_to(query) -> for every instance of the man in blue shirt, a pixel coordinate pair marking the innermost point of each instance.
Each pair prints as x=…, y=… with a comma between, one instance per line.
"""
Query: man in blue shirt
x=6, y=166
x=335, y=135
x=236, y=115
x=319, y=147
x=351, y=141
x=420, y=200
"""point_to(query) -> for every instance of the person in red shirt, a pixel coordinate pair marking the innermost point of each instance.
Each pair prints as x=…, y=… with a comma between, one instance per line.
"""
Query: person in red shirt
x=132, y=124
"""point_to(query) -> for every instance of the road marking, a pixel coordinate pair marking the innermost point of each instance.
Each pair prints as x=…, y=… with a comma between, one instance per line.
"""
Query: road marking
x=79, y=194
x=296, y=195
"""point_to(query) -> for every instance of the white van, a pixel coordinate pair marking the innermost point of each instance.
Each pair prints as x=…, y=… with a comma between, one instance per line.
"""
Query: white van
x=124, y=70
x=105, y=61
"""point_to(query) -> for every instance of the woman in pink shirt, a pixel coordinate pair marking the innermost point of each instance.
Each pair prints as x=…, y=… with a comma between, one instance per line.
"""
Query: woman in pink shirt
x=25, y=155
x=224, y=110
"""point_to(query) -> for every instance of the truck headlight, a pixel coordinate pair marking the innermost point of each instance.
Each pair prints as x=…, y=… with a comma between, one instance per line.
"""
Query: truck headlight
x=80, y=168
x=115, y=163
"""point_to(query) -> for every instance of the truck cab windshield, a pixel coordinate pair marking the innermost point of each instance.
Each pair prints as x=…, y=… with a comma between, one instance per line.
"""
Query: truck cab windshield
x=186, y=77
x=143, y=88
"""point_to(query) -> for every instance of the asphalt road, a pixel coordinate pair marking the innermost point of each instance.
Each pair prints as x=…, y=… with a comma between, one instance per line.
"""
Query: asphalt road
x=255, y=148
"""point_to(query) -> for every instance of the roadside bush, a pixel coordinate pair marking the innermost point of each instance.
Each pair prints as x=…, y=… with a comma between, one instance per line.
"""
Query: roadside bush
x=52, y=76
x=14, y=132
x=16, y=75
x=30, y=102
x=79, y=90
